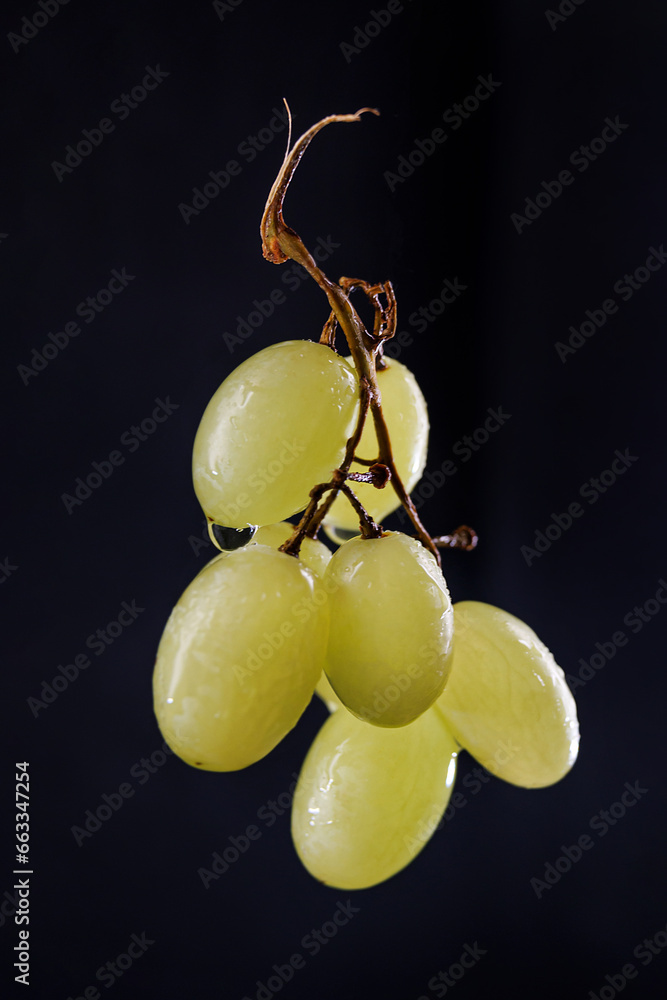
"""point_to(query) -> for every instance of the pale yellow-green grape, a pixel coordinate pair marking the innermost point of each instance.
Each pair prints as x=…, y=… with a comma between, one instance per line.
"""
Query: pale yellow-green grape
x=368, y=799
x=324, y=691
x=406, y=416
x=506, y=700
x=275, y=428
x=239, y=658
x=313, y=553
x=390, y=638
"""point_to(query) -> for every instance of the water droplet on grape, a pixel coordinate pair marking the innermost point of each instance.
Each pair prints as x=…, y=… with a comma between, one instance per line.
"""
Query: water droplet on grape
x=227, y=539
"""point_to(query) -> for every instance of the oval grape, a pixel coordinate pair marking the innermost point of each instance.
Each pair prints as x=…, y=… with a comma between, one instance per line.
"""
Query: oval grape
x=276, y=427
x=506, y=700
x=368, y=799
x=239, y=658
x=388, y=654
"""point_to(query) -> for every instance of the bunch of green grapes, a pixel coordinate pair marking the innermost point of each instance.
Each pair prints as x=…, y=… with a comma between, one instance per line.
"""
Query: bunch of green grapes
x=410, y=679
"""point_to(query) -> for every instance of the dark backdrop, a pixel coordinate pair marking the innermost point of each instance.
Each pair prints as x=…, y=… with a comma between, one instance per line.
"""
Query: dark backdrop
x=461, y=211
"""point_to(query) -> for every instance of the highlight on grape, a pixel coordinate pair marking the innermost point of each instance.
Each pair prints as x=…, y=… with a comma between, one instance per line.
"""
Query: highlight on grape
x=410, y=679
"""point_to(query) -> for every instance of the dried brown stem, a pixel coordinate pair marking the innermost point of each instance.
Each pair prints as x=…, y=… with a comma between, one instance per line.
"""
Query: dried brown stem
x=464, y=538
x=378, y=476
x=384, y=324
x=328, y=335
x=367, y=526
x=280, y=242
x=273, y=224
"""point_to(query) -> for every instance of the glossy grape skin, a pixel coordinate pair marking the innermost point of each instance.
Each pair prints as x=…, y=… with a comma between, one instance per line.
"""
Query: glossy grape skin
x=313, y=553
x=276, y=427
x=405, y=413
x=324, y=691
x=506, y=700
x=316, y=557
x=368, y=798
x=239, y=658
x=388, y=655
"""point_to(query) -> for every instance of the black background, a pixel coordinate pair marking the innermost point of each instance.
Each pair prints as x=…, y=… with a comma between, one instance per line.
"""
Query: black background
x=135, y=537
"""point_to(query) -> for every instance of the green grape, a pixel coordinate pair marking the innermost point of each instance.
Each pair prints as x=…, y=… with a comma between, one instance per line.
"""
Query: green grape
x=506, y=700
x=313, y=553
x=388, y=654
x=239, y=658
x=406, y=416
x=368, y=799
x=324, y=691
x=276, y=427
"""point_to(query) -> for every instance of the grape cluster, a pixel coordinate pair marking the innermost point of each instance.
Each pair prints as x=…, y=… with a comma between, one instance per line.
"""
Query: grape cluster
x=410, y=679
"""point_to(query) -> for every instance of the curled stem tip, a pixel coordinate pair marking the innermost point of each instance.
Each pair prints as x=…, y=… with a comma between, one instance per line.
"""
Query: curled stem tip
x=272, y=220
x=464, y=538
